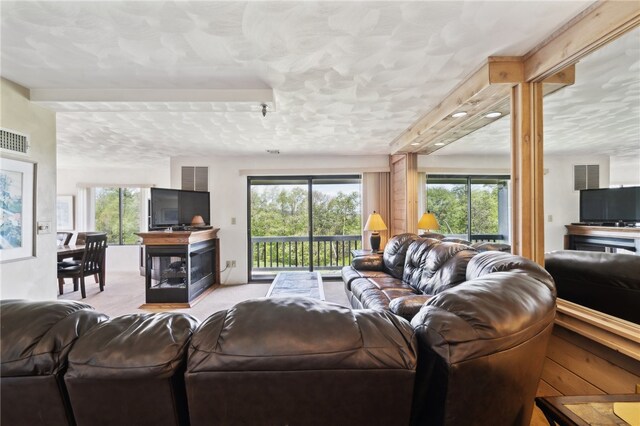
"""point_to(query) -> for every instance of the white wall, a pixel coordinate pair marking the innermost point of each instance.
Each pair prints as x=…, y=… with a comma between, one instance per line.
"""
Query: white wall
x=625, y=171
x=561, y=202
x=33, y=278
x=70, y=181
x=228, y=187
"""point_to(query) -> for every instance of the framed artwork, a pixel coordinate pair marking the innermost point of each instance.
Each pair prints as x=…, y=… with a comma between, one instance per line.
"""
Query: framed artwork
x=64, y=213
x=16, y=209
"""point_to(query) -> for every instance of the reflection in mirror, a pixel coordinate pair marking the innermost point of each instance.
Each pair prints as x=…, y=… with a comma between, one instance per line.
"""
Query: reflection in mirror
x=595, y=121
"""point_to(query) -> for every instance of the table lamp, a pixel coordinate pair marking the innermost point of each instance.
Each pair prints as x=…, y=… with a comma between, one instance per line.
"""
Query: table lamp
x=375, y=224
x=428, y=221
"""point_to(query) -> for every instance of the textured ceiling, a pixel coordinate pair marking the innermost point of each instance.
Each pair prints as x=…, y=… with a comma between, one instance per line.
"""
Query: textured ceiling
x=598, y=115
x=347, y=77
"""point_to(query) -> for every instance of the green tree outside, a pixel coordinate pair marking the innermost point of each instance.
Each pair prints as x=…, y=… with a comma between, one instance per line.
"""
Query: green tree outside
x=108, y=214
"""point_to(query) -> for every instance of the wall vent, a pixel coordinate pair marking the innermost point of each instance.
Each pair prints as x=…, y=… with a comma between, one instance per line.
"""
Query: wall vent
x=195, y=178
x=586, y=176
x=14, y=141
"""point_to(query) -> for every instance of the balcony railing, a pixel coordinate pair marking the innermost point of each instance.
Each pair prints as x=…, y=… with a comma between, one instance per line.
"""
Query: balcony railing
x=277, y=253
x=329, y=252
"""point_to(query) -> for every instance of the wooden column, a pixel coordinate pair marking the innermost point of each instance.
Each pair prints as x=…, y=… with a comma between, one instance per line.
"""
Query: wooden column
x=404, y=194
x=527, y=228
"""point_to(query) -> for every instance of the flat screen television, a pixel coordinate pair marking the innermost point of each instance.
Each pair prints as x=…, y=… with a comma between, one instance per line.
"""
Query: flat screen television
x=610, y=206
x=175, y=207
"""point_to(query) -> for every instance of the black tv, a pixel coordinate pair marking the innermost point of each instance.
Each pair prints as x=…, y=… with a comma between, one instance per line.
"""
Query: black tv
x=610, y=206
x=175, y=207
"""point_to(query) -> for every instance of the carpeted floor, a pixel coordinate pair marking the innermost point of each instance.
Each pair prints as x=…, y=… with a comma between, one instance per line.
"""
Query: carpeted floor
x=124, y=294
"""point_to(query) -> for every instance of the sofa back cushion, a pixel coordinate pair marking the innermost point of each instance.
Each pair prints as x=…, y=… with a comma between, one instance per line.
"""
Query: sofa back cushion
x=489, y=262
x=445, y=266
x=414, y=260
x=395, y=252
x=37, y=335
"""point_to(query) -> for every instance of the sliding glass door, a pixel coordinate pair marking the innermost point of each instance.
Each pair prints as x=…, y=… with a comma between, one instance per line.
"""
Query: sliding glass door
x=304, y=223
x=474, y=208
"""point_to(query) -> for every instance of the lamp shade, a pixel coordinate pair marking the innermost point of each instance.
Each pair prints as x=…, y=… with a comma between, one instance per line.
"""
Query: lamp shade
x=428, y=221
x=197, y=220
x=375, y=223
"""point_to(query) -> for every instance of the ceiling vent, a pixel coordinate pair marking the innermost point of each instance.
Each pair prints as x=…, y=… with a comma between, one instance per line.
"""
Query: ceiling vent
x=586, y=176
x=14, y=141
x=195, y=178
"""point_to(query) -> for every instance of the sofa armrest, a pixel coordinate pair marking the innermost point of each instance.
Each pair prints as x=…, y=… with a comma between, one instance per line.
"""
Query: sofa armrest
x=408, y=306
x=371, y=262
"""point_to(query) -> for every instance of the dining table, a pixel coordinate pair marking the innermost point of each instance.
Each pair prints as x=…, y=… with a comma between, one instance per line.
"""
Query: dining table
x=69, y=251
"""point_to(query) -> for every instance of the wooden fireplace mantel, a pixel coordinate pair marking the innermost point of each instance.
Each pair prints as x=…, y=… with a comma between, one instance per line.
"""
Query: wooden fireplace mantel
x=162, y=238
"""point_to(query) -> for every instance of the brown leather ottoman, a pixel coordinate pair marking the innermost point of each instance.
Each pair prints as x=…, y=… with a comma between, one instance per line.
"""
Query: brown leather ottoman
x=300, y=361
x=129, y=370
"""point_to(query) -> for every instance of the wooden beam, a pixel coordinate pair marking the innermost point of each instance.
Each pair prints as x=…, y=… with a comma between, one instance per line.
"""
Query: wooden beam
x=470, y=87
x=487, y=90
x=596, y=26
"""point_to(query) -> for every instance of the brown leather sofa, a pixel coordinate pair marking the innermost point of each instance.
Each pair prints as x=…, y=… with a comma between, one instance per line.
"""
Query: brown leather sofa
x=472, y=355
x=409, y=272
x=606, y=282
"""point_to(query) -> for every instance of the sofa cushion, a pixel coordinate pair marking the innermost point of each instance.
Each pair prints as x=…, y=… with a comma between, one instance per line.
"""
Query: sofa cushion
x=414, y=260
x=37, y=336
x=395, y=252
x=133, y=346
x=349, y=273
x=379, y=300
x=445, y=266
x=320, y=335
x=489, y=262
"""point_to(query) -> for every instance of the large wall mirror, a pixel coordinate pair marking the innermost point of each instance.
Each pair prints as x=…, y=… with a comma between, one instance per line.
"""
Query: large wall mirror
x=594, y=123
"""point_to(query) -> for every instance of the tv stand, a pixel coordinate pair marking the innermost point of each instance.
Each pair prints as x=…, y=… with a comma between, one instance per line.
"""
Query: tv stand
x=602, y=238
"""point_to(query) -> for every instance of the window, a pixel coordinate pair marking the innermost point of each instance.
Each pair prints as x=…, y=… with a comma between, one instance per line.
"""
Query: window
x=474, y=208
x=117, y=212
x=307, y=223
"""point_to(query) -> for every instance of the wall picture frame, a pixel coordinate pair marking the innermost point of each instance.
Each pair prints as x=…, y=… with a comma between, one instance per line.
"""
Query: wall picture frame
x=65, y=213
x=17, y=224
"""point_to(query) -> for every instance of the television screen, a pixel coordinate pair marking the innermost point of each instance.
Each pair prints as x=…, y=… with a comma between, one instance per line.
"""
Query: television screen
x=172, y=207
x=610, y=205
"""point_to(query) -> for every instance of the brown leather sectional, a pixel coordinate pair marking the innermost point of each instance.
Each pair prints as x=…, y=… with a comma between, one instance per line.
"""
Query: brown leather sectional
x=471, y=355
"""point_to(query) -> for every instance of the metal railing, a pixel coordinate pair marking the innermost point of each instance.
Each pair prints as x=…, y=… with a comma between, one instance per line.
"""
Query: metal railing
x=477, y=238
x=293, y=253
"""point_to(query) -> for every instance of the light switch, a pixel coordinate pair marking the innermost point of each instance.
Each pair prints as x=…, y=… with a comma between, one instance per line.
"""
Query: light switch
x=44, y=227
x=233, y=220
x=549, y=218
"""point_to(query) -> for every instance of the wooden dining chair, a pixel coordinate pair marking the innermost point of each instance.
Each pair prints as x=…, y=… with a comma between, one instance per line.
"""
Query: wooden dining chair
x=92, y=262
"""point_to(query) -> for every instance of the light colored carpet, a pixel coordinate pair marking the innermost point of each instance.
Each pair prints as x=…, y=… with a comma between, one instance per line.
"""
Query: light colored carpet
x=124, y=294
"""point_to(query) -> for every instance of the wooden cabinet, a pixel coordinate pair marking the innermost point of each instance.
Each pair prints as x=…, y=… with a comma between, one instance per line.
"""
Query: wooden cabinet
x=180, y=265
